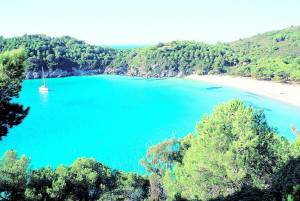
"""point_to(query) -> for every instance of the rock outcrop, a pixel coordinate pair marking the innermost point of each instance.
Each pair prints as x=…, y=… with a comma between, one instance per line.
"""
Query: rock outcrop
x=109, y=70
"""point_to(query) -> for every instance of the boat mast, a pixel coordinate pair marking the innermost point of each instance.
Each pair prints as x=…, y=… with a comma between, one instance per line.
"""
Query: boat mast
x=43, y=74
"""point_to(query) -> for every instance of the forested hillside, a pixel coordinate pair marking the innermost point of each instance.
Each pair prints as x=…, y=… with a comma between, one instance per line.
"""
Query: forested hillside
x=232, y=155
x=63, y=53
x=271, y=56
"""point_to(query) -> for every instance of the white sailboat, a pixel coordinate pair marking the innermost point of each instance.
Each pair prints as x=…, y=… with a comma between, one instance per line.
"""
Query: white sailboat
x=43, y=88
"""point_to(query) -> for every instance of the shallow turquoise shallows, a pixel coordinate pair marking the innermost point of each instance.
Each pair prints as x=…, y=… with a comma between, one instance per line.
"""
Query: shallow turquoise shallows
x=115, y=119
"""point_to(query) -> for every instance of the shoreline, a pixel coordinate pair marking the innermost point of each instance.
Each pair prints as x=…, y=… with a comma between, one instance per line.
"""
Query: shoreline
x=282, y=92
x=286, y=93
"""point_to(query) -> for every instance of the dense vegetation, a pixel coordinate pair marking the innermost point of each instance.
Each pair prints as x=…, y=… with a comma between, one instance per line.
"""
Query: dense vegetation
x=272, y=56
x=180, y=56
x=229, y=157
x=232, y=155
x=233, y=150
x=11, y=74
x=64, y=53
x=86, y=180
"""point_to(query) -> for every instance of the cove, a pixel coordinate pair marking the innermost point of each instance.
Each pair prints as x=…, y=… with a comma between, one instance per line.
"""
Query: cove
x=115, y=118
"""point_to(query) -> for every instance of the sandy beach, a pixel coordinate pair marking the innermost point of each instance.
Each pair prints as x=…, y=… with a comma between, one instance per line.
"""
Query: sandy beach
x=288, y=93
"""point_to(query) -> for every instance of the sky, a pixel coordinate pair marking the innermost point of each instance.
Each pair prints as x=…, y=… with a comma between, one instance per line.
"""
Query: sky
x=141, y=22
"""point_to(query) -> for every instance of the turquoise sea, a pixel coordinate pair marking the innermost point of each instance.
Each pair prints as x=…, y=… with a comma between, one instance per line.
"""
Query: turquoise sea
x=115, y=119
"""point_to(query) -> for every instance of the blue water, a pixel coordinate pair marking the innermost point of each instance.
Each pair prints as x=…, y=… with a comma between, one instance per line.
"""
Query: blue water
x=115, y=119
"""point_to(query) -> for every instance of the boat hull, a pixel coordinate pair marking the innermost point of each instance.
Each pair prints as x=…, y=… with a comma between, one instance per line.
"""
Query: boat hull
x=43, y=89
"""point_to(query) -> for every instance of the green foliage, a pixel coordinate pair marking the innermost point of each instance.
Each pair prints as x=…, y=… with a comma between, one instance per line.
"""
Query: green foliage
x=284, y=186
x=182, y=56
x=39, y=186
x=158, y=160
x=11, y=74
x=13, y=176
x=296, y=144
x=287, y=180
x=86, y=179
x=129, y=186
x=272, y=56
x=294, y=194
x=234, y=154
x=161, y=157
x=232, y=148
x=63, y=53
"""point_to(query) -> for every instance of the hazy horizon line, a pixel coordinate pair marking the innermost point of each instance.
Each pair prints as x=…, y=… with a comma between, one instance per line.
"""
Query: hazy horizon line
x=134, y=45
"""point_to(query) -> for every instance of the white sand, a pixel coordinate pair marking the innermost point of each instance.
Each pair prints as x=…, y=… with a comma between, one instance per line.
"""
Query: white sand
x=287, y=93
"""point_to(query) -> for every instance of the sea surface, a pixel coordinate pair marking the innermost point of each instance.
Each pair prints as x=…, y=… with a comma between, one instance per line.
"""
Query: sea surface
x=115, y=119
